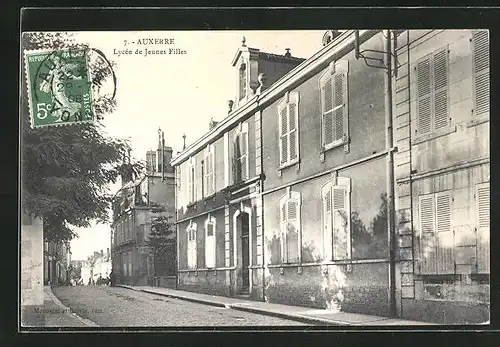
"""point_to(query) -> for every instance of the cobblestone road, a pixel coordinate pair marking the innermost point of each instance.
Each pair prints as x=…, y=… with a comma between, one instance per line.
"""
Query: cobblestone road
x=121, y=307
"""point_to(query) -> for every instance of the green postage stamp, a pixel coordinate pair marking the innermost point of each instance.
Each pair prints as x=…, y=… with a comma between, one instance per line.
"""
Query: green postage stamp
x=59, y=87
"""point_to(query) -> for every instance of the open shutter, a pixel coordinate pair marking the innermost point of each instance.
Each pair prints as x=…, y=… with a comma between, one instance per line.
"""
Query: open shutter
x=327, y=222
x=441, y=118
x=483, y=227
x=244, y=155
x=327, y=100
x=284, y=135
x=210, y=246
x=340, y=223
x=424, y=96
x=427, y=234
x=445, y=241
x=292, y=130
x=292, y=237
x=339, y=107
x=481, y=62
x=283, y=224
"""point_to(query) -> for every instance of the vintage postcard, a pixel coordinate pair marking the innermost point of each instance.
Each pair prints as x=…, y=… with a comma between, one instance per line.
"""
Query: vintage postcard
x=232, y=178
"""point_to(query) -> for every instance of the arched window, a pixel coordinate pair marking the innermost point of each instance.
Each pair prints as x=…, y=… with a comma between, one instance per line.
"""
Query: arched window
x=210, y=244
x=243, y=81
x=336, y=219
x=191, y=245
x=290, y=227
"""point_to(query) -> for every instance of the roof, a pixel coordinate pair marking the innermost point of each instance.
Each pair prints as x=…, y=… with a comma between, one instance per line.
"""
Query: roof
x=318, y=61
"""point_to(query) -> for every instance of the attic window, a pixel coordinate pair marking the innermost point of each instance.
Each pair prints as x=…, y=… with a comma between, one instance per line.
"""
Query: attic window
x=243, y=81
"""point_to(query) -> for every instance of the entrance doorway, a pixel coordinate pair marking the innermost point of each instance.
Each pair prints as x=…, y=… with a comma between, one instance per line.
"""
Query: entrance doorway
x=245, y=253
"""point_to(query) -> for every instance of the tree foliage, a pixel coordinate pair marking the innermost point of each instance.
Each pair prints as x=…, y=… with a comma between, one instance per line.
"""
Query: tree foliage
x=65, y=170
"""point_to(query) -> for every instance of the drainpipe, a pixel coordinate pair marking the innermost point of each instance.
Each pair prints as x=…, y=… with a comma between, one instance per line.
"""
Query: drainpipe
x=390, y=177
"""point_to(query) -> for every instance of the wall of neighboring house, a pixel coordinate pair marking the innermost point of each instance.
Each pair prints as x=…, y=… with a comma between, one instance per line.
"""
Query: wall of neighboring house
x=442, y=172
x=359, y=281
x=32, y=261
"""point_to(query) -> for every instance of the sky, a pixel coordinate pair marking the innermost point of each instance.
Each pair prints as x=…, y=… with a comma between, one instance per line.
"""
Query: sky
x=179, y=93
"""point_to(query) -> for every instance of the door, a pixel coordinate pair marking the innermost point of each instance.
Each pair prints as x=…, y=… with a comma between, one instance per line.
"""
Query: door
x=245, y=228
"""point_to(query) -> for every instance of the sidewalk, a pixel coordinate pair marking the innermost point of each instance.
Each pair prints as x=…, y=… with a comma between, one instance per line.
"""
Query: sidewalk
x=296, y=313
x=52, y=314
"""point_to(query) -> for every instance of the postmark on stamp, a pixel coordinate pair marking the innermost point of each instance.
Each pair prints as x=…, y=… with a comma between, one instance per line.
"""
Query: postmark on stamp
x=59, y=87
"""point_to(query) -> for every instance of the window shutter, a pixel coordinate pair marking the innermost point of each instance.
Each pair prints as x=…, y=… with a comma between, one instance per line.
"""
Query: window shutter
x=441, y=118
x=209, y=246
x=292, y=128
x=327, y=97
x=483, y=227
x=212, y=170
x=423, y=96
x=327, y=222
x=243, y=159
x=338, y=107
x=292, y=232
x=481, y=62
x=284, y=135
x=340, y=223
x=427, y=236
x=445, y=245
x=283, y=226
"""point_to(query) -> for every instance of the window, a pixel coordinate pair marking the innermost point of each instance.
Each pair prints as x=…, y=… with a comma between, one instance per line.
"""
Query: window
x=243, y=81
x=208, y=178
x=290, y=227
x=192, y=180
x=130, y=264
x=288, y=119
x=432, y=92
x=435, y=225
x=210, y=245
x=334, y=105
x=481, y=72
x=482, y=196
x=191, y=246
x=124, y=263
x=336, y=219
x=240, y=172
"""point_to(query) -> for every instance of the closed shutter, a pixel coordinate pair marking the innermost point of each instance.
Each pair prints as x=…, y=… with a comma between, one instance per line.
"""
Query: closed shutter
x=212, y=171
x=340, y=223
x=445, y=242
x=441, y=118
x=483, y=227
x=327, y=101
x=327, y=223
x=424, y=96
x=190, y=184
x=292, y=231
x=292, y=129
x=148, y=162
x=481, y=63
x=427, y=235
x=284, y=135
x=339, y=107
x=210, y=246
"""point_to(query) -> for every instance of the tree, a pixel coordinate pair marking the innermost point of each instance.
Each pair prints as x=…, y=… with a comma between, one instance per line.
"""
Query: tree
x=162, y=243
x=65, y=171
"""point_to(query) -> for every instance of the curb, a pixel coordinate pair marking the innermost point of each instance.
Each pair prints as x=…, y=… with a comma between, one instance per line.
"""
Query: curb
x=85, y=321
x=238, y=307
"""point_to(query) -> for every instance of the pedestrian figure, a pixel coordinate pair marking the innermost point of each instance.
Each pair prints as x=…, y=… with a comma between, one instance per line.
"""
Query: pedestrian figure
x=112, y=278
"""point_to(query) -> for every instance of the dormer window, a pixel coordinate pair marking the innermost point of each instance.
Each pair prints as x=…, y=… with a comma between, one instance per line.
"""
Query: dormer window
x=243, y=81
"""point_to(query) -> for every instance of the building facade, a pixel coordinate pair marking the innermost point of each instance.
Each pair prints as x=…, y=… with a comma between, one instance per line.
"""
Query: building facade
x=57, y=258
x=135, y=206
x=366, y=180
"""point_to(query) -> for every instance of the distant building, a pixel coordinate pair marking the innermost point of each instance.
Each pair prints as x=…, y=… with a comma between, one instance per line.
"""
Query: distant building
x=135, y=206
x=57, y=257
x=97, y=265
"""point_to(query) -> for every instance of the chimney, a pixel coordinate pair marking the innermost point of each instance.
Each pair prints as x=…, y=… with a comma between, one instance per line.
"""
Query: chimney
x=184, y=139
x=102, y=253
x=107, y=252
x=230, y=103
x=288, y=54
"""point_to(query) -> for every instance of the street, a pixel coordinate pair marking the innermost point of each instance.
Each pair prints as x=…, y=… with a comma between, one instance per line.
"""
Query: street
x=121, y=307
